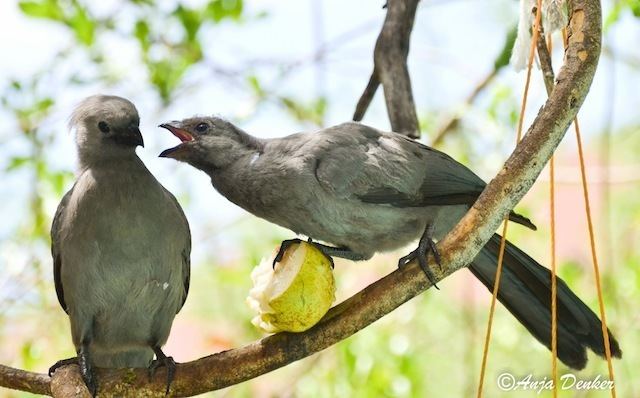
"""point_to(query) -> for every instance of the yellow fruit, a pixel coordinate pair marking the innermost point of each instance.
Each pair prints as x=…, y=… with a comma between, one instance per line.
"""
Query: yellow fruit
x=297, y=294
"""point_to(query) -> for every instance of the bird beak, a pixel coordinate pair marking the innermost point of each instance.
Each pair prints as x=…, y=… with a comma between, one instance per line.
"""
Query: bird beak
x=183, y=135
x=176, y=152
x=130, y=137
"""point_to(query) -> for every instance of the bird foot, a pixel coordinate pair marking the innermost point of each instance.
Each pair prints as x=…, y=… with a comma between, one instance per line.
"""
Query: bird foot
x=160, y=361
x=61, y=363
x=425, y=246
x=287, y=243
x=283, y=248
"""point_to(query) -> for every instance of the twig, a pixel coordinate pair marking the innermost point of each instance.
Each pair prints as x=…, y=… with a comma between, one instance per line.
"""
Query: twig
x=545, y=61
x=22, y=380
x=390, y=69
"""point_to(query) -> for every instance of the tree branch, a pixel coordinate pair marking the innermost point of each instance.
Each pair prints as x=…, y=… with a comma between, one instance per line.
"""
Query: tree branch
x=22, y=380
x=390, y=69
x=458, y=248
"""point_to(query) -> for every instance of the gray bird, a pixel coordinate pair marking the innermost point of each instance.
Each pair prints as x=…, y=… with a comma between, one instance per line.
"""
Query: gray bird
x=121, y=247
x=366, y=191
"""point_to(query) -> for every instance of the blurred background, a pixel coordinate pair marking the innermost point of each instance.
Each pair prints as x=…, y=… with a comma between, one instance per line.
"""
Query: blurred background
x=278, y=67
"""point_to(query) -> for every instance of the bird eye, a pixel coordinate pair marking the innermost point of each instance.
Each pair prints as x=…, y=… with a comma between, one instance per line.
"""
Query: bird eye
x=202, y=127
x=104, y=127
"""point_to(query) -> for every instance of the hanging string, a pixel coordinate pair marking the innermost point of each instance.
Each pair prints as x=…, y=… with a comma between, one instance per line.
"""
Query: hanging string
x=592, y=241
x=554, y=281
x=503, y=241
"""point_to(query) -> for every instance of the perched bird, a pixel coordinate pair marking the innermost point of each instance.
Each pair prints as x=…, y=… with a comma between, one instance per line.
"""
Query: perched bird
x=121, y=247
x=366, y=191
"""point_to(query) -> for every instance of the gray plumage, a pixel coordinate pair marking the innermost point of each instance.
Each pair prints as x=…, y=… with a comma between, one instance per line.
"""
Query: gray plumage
x=120, y=242
x=366, y=191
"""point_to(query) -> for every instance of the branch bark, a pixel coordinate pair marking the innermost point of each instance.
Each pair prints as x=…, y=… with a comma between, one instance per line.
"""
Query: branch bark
x=458, y=248
x=22, y=380
x=390, y=69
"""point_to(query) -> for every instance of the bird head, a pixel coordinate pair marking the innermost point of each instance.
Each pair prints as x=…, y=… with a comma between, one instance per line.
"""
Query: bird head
x=106, y=125
x=207, y=142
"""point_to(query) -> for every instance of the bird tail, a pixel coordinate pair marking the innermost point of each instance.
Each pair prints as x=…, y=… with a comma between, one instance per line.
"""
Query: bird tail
x=525, y=290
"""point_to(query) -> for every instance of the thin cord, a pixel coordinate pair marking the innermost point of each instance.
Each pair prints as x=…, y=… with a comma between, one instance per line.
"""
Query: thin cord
x=554, y=284
x=554, y=281
x=594, y=257
x=503, y=241
x=592, y=241
x=487, y=337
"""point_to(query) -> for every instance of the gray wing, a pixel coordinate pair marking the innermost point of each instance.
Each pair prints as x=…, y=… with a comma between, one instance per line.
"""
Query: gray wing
x=356, y=162
x=56, y=226
x=186, y=251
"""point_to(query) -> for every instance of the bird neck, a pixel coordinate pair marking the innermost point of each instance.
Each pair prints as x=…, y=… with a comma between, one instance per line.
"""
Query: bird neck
x=108, y=159
x=227, y=154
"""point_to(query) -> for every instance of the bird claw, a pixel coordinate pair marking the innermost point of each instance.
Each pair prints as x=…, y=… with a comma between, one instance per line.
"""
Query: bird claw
x=86, y=371
x=425, y=246
x=287, y=243
x=283, y=248
x=167, y=362
x=61, y=363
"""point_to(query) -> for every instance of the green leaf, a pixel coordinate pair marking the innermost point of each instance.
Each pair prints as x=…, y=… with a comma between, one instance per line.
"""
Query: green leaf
x=503, y=58
x=166, y=75
x=43, y=104
x=255, y=85
x=217, y=10
x=58, y=181
x=49, y=9
x=190, y=20
x=141, y=32
x=18, y=161
x=314, y=112
x=83, y=26
x=635, y=7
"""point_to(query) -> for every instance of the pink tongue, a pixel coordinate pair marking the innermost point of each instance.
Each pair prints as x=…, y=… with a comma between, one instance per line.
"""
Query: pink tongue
x=182, y=136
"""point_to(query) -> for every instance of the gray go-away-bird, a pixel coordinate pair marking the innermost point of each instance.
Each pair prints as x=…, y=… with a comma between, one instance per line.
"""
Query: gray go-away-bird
x=121, y=247
x=366, y=191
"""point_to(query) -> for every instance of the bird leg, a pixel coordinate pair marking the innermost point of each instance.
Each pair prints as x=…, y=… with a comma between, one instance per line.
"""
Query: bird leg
x=329, y=251
x=341, y=252
x=425, y=246
x=167, y=362
x=86, y=369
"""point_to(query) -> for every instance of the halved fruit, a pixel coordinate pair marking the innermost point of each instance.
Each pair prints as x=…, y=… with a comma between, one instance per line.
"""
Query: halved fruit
x=297, y=294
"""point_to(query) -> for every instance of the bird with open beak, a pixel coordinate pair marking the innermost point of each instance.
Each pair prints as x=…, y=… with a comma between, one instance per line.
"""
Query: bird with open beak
x=365, y=191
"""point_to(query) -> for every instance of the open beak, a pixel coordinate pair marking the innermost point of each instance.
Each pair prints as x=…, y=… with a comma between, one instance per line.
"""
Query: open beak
x=178, y=150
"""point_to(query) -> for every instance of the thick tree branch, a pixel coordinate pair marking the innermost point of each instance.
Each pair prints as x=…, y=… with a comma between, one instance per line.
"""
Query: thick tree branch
x=390, y=69
x=458, y=248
